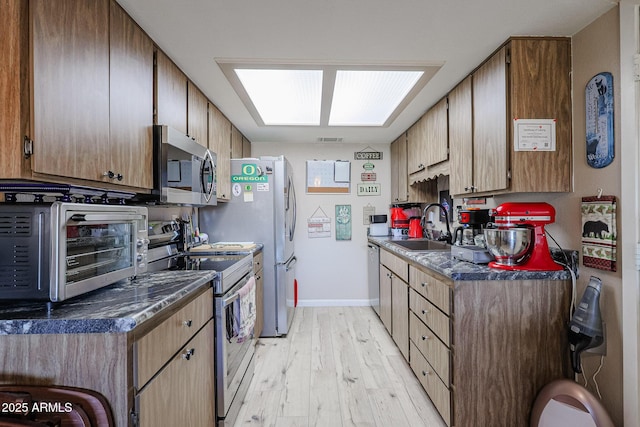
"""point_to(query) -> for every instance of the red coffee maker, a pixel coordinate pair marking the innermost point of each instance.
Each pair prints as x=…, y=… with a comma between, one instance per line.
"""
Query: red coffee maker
x=519, y=242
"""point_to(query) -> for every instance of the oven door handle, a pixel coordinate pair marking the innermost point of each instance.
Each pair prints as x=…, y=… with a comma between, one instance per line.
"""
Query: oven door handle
x=227, y=301
x=103, y=217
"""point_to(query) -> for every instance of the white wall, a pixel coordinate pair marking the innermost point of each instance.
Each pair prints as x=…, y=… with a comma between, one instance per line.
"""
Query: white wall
x=331, y=272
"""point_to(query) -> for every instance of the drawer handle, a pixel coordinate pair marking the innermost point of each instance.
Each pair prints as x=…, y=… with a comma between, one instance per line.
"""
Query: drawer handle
x=188, y=354
x=188, y=323
x=424, y=338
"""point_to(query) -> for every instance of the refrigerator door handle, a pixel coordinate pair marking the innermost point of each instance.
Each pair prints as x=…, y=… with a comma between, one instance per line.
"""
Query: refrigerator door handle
x=288, y=263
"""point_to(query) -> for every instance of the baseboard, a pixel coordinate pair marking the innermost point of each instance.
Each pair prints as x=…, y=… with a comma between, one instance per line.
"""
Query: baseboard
x=334, y=303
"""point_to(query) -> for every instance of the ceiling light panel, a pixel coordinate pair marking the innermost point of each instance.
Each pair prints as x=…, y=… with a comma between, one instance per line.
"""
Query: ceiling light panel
x=368, y=97
x=284, y=97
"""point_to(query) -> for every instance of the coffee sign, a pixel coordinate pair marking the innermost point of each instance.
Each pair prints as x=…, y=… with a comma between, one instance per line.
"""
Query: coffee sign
x=367, y=155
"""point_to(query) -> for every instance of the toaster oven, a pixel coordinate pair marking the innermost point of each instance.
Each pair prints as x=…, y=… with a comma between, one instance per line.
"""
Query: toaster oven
x=59, y=250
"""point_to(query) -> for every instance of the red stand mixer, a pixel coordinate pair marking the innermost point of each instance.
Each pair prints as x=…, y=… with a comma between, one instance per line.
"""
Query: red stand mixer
x=519, y=242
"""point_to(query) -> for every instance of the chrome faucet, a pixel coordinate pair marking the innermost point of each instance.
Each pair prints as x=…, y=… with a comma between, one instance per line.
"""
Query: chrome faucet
x=445, y=236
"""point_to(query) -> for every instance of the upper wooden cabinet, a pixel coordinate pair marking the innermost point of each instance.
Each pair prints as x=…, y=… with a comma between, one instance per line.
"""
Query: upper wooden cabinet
x=399, y=182
x=236, y=143
x=416, y=146
x=131, y=100
x=220, y=143
x=171, y=94
x=70, y=122
x=437, y=149
x=461, y=138
x=527, y=78
x=80, y=75
x=246, y=147
x=197, y=115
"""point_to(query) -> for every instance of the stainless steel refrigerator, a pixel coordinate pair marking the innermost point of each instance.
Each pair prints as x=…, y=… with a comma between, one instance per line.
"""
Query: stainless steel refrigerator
x=262, y=209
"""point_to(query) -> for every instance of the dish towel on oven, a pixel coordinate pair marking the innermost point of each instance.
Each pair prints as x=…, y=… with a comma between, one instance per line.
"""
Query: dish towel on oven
x=245, y=311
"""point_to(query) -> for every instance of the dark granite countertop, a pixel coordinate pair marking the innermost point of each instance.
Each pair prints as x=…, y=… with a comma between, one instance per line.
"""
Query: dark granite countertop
x=115, y=308
x=443, y=263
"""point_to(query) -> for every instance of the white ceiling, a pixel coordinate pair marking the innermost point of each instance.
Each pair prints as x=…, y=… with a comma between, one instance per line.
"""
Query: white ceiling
x=460, y=33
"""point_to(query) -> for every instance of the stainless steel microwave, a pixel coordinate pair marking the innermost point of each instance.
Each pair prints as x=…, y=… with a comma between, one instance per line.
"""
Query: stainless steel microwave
x=184, y=171
x=60, y=250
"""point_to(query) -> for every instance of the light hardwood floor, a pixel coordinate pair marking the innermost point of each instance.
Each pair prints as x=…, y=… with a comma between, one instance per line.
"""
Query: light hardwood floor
x=338, y=366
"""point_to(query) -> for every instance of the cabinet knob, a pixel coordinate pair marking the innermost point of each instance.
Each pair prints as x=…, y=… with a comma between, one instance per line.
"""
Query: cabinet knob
x=424, y=311
x=119, y=177
x=109, y=174
x=423, y=284
x=425, y=373
x=188, y=323
x=188, y=354
x=424, y=338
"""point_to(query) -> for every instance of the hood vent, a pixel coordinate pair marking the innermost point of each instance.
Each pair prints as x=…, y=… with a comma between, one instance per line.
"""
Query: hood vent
x=329, y=139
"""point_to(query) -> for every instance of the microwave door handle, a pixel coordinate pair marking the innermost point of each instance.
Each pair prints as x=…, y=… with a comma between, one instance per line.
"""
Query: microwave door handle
x=103, y=217
x=208, y=194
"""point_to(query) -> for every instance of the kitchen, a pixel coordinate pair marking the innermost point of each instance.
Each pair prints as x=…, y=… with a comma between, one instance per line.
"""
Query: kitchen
x=619, y=311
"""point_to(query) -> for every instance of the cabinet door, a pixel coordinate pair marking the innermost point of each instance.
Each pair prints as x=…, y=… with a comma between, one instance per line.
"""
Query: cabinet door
x=131, y=100
x=416, y=146
x=246, y=147
x=437, y=149
x=236, y=143
x=220, y=143
x=70, y=87
x=171, y=94
x=197, y=115
x=400, y=315
x=461, y=138
x=490, y=150
x=399, y=187
x=385, y=297
x=182, y=392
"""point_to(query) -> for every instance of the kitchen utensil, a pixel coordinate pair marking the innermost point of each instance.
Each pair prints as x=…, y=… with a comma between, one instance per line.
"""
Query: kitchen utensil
x=509, y=246
x=517, y=249
x=415, y=227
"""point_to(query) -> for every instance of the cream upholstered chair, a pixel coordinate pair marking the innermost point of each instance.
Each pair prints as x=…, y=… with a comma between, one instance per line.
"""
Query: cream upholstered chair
x=581, y=405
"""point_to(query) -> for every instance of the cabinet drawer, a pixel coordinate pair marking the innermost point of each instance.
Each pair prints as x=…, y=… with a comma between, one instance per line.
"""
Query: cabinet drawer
x=436, y=320
x=431, y=347
x=156, y=348
x=437, y=391
x=435, y=290
x=258, y=261
x=397, y=265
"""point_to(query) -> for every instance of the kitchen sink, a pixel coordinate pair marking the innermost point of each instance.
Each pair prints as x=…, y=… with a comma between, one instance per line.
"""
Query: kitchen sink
x=421, y=244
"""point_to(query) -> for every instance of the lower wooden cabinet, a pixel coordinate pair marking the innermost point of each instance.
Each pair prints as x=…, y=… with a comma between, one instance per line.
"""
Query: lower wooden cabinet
x=181, y=392
x=394, y=299
x=483, y=349
x=158, y=374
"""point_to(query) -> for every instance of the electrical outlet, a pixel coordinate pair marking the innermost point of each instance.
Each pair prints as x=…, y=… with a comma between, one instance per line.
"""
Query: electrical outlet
x=602, y=348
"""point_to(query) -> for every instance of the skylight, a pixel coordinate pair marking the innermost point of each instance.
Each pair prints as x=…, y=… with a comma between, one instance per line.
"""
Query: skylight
x=310, y=94
x=368, y=98
x=284, y=97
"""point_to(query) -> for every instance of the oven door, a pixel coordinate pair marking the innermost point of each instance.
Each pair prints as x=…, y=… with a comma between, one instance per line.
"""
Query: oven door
x=96, y=246
x=233, y=358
